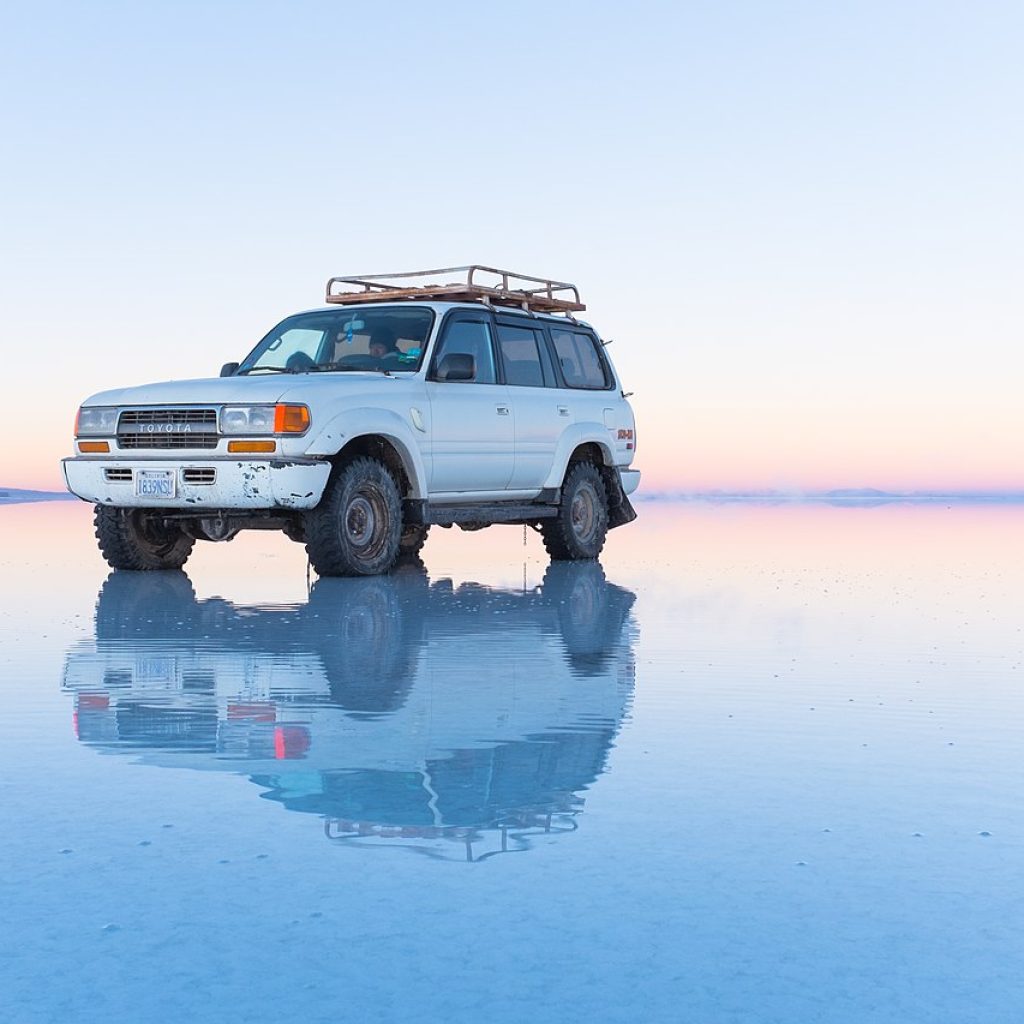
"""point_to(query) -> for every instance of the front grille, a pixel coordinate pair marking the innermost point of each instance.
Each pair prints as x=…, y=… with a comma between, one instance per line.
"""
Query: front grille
x=167, y=440
x=199, y=476
x=168, y=428
x=118, y=476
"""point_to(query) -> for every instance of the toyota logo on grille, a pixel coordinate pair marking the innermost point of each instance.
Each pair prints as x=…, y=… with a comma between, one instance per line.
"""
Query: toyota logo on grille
x=162, y=428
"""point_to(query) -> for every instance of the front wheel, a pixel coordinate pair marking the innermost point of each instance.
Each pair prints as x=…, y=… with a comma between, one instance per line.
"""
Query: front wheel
x=356, y=528
x=140, y=540
x=578, y=531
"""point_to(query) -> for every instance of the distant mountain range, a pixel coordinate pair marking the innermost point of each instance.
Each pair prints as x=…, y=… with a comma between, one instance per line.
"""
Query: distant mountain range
x=14, y=495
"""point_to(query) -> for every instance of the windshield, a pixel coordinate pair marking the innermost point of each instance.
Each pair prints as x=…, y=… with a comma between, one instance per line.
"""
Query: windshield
x=384, y=338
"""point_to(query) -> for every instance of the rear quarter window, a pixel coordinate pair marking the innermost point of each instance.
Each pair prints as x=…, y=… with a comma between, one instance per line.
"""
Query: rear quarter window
x=580, y=359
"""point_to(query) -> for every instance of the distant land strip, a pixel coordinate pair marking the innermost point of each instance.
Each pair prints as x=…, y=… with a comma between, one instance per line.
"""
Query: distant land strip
x=863, y=496
x=15, y=495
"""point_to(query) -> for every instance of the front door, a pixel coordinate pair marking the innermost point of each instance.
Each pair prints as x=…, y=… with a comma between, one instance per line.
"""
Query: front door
x=472, y=434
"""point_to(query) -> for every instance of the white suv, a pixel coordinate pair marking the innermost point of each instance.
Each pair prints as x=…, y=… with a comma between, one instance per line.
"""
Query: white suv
x=355, y=427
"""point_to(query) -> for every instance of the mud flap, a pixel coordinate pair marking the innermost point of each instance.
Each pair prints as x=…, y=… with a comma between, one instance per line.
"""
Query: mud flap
x=620, y=511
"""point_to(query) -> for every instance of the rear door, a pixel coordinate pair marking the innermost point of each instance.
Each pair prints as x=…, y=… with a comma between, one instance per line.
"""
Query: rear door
x=541, y=413
x=472, y=440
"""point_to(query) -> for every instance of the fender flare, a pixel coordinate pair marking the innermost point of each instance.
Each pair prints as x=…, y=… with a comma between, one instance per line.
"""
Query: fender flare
x=350, y=424
x=571, y=439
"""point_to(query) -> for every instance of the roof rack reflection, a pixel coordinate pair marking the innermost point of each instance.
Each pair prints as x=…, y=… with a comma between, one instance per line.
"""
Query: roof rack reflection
x=475, y=283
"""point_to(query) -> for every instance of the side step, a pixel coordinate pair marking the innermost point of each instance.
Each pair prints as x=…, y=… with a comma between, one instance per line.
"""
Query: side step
x=496, y=512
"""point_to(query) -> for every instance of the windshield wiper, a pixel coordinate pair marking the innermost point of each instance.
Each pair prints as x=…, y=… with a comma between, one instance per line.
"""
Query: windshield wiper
x=329, y=368
x=332, y=368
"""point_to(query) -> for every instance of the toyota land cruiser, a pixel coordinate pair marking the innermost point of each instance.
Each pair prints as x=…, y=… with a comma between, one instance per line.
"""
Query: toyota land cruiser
x=356, y=427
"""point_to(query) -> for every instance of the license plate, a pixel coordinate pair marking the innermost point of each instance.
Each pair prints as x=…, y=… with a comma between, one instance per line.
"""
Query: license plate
x=154, y=483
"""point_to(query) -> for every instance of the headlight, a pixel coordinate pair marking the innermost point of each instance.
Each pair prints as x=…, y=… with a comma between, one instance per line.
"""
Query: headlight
x=95, y=419
x=247, y=419
x=264, y=419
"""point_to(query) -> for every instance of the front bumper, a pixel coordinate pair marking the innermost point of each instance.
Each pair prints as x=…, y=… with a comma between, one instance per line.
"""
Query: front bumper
x=236, y=483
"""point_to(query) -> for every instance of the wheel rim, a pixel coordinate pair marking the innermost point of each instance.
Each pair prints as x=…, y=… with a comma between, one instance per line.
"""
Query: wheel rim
x=359, y=521
x=583, y=512
x=365, y=520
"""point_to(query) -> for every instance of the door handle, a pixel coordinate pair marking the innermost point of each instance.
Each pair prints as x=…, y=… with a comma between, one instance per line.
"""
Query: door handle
x=563, y=410
x=502, y=410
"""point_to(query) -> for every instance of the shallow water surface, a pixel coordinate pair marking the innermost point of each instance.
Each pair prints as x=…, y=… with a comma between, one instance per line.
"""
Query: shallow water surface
x=761, y=764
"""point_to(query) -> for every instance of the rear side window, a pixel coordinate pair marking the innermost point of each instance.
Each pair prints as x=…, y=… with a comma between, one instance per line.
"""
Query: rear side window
x=520, y=356
x=578, y=357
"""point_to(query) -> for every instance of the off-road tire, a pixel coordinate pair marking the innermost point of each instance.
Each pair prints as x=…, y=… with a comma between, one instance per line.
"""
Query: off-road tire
x=295, y=529
x=578, y=532
x=136, y=539
x=411, y=542
x=356, y=528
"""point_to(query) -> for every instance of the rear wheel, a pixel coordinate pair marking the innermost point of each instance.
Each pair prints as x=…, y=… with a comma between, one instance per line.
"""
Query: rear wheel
x=578, y=531
x=356, y=528
x=411, y=542
x=139, y=539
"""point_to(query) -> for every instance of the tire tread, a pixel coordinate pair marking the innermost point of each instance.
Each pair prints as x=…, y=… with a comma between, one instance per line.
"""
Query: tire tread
x=411, y=542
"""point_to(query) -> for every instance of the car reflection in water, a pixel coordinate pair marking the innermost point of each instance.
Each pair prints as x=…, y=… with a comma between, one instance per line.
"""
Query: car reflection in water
x=451, y=720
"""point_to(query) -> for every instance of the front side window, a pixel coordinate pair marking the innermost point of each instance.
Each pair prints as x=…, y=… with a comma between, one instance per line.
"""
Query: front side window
x=577, y=355
x=382, y=338
x=465, y=353
x=520, y=356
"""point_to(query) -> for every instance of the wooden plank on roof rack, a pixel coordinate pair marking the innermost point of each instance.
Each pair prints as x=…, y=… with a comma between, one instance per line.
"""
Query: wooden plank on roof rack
x=378, y=288
x=459, y=293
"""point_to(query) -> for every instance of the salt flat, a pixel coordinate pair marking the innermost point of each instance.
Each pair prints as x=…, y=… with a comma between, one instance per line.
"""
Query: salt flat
x=762, y=764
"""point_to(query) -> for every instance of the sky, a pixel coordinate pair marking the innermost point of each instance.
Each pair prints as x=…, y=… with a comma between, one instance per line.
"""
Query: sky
x=801, y=223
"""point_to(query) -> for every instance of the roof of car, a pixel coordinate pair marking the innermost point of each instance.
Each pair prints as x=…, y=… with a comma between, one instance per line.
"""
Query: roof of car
x=444, y=307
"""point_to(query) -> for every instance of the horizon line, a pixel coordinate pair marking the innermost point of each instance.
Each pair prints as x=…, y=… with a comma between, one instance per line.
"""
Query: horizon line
x=845, y=495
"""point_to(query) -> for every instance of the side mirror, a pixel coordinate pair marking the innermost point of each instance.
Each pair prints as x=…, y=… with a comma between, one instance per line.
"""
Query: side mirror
x=457, y=366
x=229, y=369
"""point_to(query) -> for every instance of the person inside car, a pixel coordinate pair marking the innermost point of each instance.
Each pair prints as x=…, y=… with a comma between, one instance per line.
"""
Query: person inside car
x=383, y=344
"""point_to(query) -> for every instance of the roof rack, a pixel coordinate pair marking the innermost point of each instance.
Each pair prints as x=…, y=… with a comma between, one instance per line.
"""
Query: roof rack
x=534, y=294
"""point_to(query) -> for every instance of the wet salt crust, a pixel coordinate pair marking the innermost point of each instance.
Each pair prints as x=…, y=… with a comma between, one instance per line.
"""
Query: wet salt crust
x=761, y=765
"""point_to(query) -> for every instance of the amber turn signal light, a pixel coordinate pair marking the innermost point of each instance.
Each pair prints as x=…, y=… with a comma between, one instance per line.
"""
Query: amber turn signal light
x=252, y=446
x=291, y=419
x=91, y=447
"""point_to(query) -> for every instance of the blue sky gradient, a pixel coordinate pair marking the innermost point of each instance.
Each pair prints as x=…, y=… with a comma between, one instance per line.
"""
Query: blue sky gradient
x=800, y=222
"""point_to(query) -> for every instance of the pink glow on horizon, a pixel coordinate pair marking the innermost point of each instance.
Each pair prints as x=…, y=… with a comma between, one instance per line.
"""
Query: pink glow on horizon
x=738, y=472
x=750, y=448
x=811, y=449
